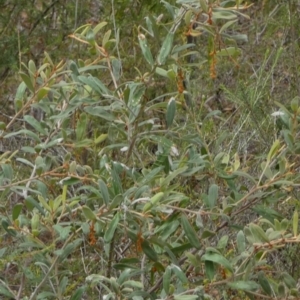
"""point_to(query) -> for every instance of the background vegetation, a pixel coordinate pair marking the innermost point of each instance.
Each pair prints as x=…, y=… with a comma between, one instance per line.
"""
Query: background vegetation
x=149, y=150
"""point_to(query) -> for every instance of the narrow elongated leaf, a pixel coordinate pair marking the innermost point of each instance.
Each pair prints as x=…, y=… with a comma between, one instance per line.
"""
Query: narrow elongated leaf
x=210, y=269
x=179, y=274
x=44, y=203
x=186, y=297
x=213, y=195
x=88, y=213
x=27, y=81
x=153, y=201
x=145, y=49
x=295, y=222
x=258, y=232
x=165, y=48
x=204, y=5
x=171, y=109
x=116, y=202
x=77, y=295
x=95, y=84
x=112, y=228
x=171, y=176
x=99, y=112
x=106, y=37
x=230, y=51
x=273, y=150
x=149, y=251
x=104, y=192
x=101, y=138
x=166, y=280
x=35, y=124
x=217, y=258
x=5, y=292
x=26, y=132
x=99, y=27
x=16, y=211
x=263, y=281
x=190, y=232
x=63, y=253
x=226, y=25
x=288, y=280
x=244, y=285
x=81, y=127
x=240, y=241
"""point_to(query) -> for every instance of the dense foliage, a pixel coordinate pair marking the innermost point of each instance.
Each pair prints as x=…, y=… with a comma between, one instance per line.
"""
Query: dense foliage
x=153, y=161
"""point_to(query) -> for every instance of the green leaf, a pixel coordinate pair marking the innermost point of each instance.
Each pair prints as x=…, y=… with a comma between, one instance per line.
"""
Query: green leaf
x=186, y=297
x=7, y=171
x=106, y=37
x=63, y=284
x=73, y=67
x=35, y=124
x=63, y=253
x=213, y=195
x=210, y=270
x=223, y=242
x=192, y=258
x=5, y=292
x=42, y=93
x=44, y=203
x=27, y=81
x=31, y=203
x=226, y=25
x=116, y=202
x=88, y=213
x=204, y=5
x=295, y=104
x=240, y=241
x=229, y=51
x=288, y=280
x=190, y=232
x=95, y=84
x=179, y=274
x=263, y=281
x=26, y=132
x=100, y=112
x=99, y=27
x=109, y=234
x=171, y=109
x=258, y=233
x=153, y=201
x=273, y=150
x=244, y=285
x=207, y=233
x=217, y=258
x=81, y=127
x=161, y=72
x=104, y=192
x=5, y=226
x=133, y=284
x=281, y=290
x=171, y=176
x=149, y=251
x=77, y=295
x=165, y=48
x=295, y=222
x=90, y=36
x=166, y=280
x=101, y=138
x=145, y=49
x=25, y=161
x=32, y=68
